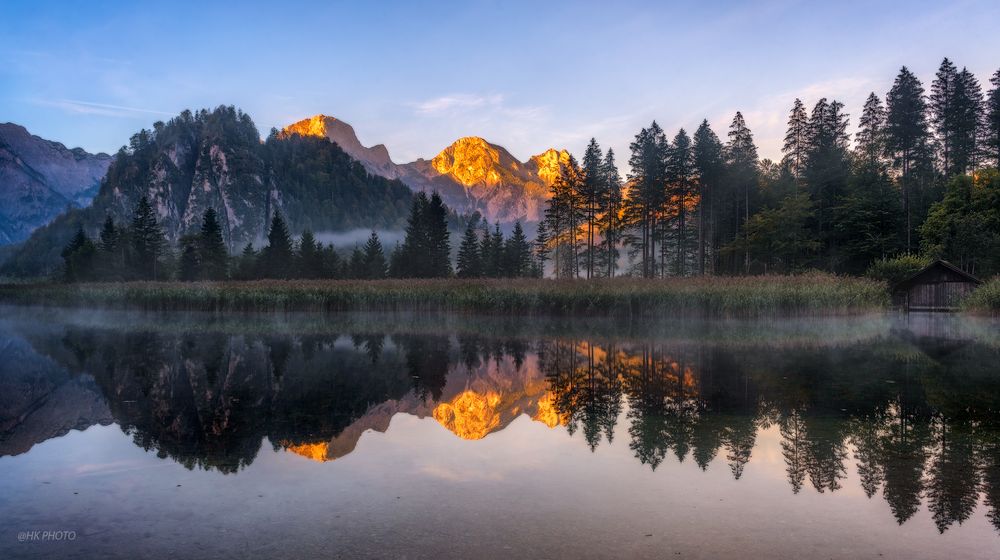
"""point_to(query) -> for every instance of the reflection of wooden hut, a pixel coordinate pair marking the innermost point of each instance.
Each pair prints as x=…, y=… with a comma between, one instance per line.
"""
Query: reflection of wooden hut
x=940, y=286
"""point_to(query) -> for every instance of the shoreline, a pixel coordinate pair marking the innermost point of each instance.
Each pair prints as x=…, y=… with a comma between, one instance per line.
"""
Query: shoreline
x=710, y=297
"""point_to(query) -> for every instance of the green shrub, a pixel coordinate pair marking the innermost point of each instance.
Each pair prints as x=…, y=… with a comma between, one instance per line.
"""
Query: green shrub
x=985, y=299
x=896, y=269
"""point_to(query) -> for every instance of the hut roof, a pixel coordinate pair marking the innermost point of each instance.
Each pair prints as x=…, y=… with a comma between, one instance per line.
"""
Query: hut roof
x=938, y=264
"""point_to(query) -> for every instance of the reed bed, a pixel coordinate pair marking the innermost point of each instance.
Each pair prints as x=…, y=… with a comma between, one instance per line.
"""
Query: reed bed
x=756, y=296
x=986, y=298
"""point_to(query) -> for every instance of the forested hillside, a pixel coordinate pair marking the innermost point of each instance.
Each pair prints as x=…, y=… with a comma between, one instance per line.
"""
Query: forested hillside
x=215, y=159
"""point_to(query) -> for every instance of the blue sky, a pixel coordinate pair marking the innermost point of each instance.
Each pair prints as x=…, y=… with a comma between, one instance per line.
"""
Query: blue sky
x=417, y=75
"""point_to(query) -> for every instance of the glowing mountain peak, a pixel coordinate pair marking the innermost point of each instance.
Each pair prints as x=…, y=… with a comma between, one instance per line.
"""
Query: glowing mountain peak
x=470, y=160
x=549, y=163
x=313, y=126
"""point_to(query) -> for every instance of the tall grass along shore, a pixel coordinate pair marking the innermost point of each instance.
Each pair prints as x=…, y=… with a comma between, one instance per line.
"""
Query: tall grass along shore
x=986, y=298
x=756, y=296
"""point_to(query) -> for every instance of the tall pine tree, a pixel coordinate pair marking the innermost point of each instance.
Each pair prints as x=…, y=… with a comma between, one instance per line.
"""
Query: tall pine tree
x=681, y=182
x=710, y=168
x=907, y=140
x=374, y=265
x=591, y=195
x=992, y=142
x=942, y=111
x=611, y=219
x=211, y=248
x=796, y=139
x=278, y=257
x=470, y=264
x=742, y=171
x=148, y=243
x=870, y=139
x=647, y=194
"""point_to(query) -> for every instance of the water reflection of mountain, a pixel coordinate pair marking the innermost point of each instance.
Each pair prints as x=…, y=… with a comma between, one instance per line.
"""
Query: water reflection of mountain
x=913, y=410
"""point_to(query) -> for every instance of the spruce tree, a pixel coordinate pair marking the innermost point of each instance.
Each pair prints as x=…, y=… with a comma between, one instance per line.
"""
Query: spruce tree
x=647, y=195
x=310, y=256
x=212, y=252
x=591, y=193
x=681, y=181
x=488, y=253
x=190, y=266
x=742, y=171
x=870, y=139
x=710, y=168
x=796, y=139
x=246, y=266
x=278, y=257
x=111, y=259
x=827, y=167
x=498, y=264
x=148, y=243
x=469, y=261
x=438, y=251
x=78, y=258
x=356, y=266
x=868, y=221
x=332, y=267
x=907, y=138
x=375, y=265
x=565, y=214
x=942, y=110
x=426, y=249
x=992, y=142
x=542, y=249
x=518, y=253
x=413, y=258
x=611, y=223
x=969, y=112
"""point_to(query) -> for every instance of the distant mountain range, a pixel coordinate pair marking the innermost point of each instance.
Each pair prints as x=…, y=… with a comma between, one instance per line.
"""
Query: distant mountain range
x=471, y=174
x=215, y=159
x=315, y=171
x=39, y=179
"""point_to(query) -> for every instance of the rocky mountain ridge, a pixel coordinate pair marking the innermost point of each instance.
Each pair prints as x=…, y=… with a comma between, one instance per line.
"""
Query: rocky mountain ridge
x=40, y=178
x=471, y=174
x=215, y=159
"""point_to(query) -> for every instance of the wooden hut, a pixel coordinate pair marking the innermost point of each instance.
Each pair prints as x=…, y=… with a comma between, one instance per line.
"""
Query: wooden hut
x=940, y=286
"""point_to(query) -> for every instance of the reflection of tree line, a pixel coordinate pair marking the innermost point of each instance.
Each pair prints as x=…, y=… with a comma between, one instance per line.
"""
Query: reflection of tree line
x=207, y=400
x=922, y=425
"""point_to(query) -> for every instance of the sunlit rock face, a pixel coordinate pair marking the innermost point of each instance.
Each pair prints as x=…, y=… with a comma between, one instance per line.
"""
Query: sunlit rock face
x=375, y=159
x=470, y=175
x=475, y=175
x=40, y=178
x=548, y=164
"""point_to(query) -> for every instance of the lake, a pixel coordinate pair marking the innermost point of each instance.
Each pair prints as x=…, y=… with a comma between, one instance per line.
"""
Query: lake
x=143, y=435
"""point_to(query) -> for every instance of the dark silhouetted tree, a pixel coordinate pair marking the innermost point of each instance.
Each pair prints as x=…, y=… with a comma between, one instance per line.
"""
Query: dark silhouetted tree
x=212, y=253
x=470, y=265
x=278, y=257
x=148, y=243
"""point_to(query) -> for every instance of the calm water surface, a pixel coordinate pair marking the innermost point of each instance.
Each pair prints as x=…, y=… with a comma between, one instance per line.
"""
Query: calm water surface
x=198, y=436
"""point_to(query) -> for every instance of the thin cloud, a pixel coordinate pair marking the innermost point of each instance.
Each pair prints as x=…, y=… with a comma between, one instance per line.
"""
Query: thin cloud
x=103, y=109
x=459, y=101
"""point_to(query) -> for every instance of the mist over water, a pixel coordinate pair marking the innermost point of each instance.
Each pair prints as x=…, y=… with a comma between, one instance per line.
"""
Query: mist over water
x=348, y=240
x=368, y=435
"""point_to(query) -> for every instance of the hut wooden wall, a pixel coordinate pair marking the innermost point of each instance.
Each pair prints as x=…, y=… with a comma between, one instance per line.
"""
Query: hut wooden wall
x=939, y=296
